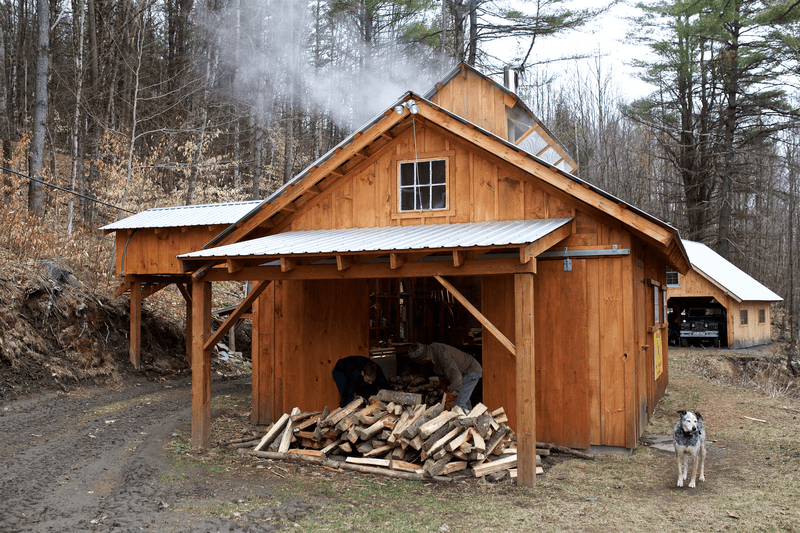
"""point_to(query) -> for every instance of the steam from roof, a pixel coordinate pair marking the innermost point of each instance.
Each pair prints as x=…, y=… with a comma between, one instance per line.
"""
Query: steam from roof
x=290, y=52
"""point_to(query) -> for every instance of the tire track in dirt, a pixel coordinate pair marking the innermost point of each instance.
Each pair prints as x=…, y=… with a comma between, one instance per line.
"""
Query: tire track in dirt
x=90, y=460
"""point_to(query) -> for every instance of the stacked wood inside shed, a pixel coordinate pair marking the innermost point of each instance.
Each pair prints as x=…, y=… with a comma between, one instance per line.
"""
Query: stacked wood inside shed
x=395, y=434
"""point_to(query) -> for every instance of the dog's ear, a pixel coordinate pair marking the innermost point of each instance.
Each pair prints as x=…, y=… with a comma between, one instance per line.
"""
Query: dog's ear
x=698, y=415
x=681, y=412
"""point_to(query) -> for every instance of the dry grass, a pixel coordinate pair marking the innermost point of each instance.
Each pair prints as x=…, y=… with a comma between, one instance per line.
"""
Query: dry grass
x=752, y=478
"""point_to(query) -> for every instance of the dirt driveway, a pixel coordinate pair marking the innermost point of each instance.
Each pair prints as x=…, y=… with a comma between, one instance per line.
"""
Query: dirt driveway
x=97, y=459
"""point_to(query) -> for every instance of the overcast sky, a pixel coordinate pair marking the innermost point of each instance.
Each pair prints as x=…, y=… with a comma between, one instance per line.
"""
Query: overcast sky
x=606, y=35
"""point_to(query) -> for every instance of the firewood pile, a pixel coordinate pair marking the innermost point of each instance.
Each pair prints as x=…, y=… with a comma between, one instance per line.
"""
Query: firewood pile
x=395, y=434
x=431, y=391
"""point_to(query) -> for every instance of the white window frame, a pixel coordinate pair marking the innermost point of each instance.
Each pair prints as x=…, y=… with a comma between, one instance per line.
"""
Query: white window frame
x=416, y=187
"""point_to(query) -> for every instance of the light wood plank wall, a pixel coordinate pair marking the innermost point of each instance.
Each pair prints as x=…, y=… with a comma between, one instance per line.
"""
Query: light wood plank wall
x=303, y=328
x=154, y=251
x=479, y=190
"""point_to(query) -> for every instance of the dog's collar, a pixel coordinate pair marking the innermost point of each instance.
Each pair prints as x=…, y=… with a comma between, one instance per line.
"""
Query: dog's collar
x=687, y=433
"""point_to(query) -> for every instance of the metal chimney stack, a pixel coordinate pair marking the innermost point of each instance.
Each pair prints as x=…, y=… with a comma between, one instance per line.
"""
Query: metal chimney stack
x=511, y=78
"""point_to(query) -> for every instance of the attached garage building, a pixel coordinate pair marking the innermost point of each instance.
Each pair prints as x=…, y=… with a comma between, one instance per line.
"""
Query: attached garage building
x=717, y=285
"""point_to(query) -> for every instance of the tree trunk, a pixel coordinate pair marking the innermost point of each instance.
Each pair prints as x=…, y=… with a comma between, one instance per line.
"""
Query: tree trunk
x=473, y=32
x=35, y=190
x=731, y=83
x=458, y=30
x=5, y=125
x=78, y=25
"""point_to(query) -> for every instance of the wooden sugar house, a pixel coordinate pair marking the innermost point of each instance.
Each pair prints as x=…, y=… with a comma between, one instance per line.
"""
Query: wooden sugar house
x=716, y=286
x=450, y=217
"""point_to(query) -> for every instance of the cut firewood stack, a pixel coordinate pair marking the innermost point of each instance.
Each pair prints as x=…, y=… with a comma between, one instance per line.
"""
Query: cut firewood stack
x=395, y=432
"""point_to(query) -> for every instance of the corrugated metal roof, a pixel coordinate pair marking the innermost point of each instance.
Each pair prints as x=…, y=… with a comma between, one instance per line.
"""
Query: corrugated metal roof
x=189, y=215
x=341, y=241
x=726, y=274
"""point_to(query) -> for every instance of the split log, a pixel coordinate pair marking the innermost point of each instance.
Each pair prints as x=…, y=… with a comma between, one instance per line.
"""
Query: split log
x=273, y=432
x=305, y=416
x=369, y=461
x=348, y=466
x=286, y=439
x=438, y=465
x=458, y=441
x=240, y=440
x=495, y=466
x=574, y=453
x=406, y=467
x=313, y=453
x=327, y=449
x=477, y=441
x=427, y=416
x=440, y=443
x=400, y=398
x=429, y=428
x=371, y=431
x=350, y=408
x=245, y=444
x=454, y=466
x=379, y=450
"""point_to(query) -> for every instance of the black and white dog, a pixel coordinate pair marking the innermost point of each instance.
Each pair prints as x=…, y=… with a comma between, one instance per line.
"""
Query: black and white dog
x=690, y=440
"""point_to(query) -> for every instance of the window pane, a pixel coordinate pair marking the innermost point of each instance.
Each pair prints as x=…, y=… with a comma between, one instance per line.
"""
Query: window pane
x=438, y=171
x=424, y=173
x=439, y=198
x=424, y=198
x=407, y=199
x=406, y=174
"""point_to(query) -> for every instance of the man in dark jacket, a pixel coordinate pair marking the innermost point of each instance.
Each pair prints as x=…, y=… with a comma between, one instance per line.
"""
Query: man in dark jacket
x=458, y=370
x=357, y=376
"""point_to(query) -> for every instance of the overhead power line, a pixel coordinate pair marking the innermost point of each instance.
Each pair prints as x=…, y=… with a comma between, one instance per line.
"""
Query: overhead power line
x=37, y=180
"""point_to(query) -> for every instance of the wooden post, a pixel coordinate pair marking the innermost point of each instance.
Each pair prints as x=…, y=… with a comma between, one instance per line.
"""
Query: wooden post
x=201, y=364
x=526, y=380
x=136, y=325
x=188, y=298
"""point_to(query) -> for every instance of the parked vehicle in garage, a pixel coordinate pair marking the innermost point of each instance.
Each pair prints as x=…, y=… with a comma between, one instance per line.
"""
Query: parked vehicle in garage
x=703, y=325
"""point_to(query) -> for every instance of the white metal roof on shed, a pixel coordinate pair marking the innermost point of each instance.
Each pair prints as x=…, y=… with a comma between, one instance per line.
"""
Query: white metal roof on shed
x=725, y=274
x=351, y=240
x=188, y=215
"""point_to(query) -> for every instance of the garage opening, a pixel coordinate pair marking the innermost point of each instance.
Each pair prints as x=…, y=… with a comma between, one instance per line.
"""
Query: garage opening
x=697, y=321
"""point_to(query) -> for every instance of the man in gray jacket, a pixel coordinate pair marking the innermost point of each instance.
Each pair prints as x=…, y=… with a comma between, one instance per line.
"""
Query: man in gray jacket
x=457, y=370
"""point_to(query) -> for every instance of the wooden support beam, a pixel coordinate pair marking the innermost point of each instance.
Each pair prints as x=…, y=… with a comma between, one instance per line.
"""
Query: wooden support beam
x=288, y=264
x=396, y=261
x=419, y=269
x=122, y=289
x=235, y=265
x=201, y=271
x=477, y=314
x=459, y=257
x=153, y=288
x=241, y=309
x=188, y=298
x=343, y=262
x=201, y=364
x=526, y=379
x=136, y=325
x=530, y=251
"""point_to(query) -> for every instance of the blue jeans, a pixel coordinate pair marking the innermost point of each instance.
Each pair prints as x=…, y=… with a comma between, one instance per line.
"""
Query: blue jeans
x=468, y=383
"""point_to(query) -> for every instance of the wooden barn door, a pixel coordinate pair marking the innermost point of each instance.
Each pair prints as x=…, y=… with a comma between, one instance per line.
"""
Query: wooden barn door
x=642, y=355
